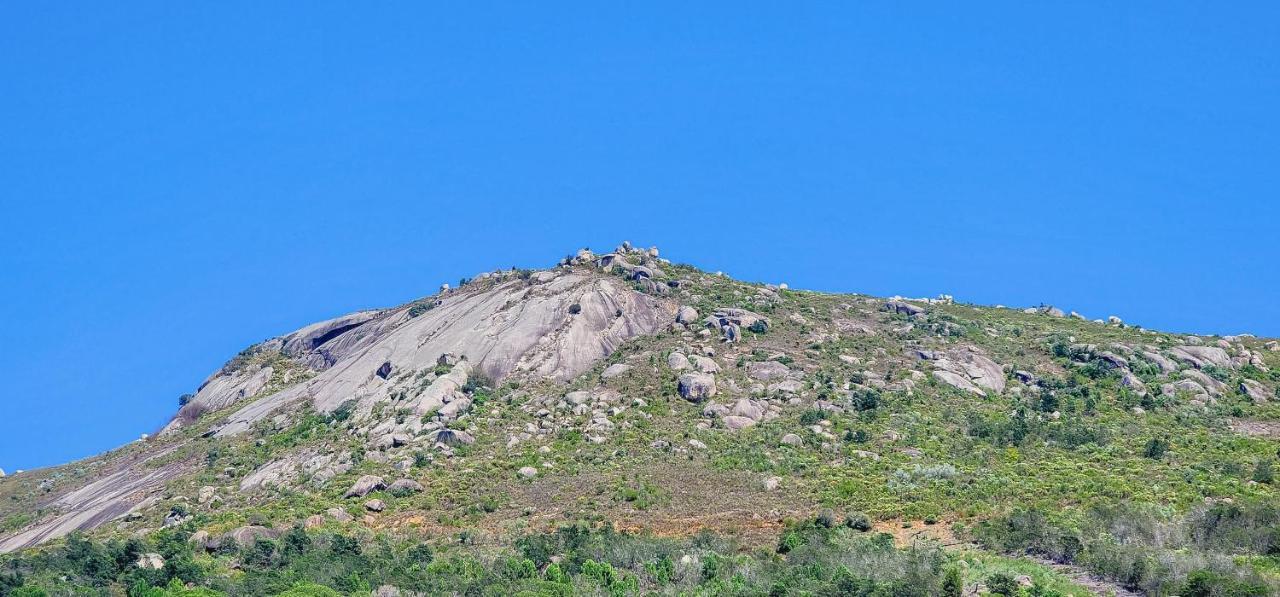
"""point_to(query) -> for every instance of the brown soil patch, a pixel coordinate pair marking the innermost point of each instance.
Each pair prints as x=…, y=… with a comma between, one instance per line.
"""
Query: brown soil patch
x=904, y=536
x=691, y=499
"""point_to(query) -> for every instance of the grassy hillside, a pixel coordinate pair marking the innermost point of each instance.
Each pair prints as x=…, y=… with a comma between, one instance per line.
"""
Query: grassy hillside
x=853, y=446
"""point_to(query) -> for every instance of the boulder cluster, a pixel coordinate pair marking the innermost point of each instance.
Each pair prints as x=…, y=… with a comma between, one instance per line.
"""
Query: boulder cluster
x=1192, y=369
x=966, y=368
x=641, y=266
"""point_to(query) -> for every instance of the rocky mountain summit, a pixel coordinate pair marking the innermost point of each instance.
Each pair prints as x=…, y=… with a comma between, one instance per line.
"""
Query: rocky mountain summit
x=663, y=399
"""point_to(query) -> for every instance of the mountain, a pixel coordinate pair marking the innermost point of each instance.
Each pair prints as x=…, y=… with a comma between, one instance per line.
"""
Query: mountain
x=691, y=433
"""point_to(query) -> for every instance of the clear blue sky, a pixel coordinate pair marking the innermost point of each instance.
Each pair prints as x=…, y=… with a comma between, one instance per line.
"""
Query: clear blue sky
x=180, y=180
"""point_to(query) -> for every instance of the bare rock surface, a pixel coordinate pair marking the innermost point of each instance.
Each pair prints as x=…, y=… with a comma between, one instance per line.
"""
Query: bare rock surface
x=1254, y=391
x=696, y=387
x=967, y=369
x=511, y=329
x=111, y=495
x=365, y=485
x=1200, y=356
x=767, y=370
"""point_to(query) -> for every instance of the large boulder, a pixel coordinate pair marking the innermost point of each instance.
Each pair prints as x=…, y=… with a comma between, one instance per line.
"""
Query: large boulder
x=767, y=370
x=705, y=364
x=1214, y=386
x=686, y=315
x=903, y=308
x=454, y=437
x=967, y=369
x=246, y=536
x=678, y=362
x=1201, y=356
x=1254, y=391
x=1131, y=381
x=1164, y=363
x=615, y=370
x=731, y=322
x=339, y=515
x=150, y=561
x=403, y=487
x=696, y=387
x=365, y=485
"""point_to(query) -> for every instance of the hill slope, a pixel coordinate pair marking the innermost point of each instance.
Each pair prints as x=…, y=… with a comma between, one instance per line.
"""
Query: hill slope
x=625, y=391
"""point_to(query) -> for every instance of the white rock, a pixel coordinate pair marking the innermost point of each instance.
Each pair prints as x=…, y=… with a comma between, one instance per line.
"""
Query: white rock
x=150, y=561
x=615, y=370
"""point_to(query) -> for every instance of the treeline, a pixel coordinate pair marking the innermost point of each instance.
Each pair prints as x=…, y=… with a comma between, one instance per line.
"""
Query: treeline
x=820, y=559
x=1144, y=548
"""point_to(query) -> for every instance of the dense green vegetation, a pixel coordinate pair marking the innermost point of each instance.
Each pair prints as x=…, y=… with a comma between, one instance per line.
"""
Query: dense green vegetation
x=820, y=559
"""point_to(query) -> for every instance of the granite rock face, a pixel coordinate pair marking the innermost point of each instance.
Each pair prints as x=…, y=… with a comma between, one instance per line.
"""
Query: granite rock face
x=557, y=329
x=554, y=323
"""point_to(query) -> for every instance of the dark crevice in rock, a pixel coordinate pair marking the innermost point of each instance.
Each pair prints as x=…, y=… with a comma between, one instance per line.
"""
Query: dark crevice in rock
x=318, y=341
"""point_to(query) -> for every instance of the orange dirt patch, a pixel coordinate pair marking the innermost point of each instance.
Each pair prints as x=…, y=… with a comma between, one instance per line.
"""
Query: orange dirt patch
x=904, y=536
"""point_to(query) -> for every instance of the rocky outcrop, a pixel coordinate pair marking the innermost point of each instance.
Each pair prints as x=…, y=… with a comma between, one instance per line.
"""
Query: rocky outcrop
x=115, y=491
x=509, y=329
x=696, y=387
x=1254, y=391
x=767, y=370
x=705, y=364
x=966, y=369
x=246, y=536
x=686, y=315
x=678, y=362
x=1200, y=356
x=730, y=322
x=403, y=487
x=308, y=464
x=365, y=485
x=615, y=370
x=903, y=308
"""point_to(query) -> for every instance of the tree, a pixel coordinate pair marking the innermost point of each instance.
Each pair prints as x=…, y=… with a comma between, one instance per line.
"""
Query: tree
x=952, y=583
x=1262, y=473
x=1156, y=448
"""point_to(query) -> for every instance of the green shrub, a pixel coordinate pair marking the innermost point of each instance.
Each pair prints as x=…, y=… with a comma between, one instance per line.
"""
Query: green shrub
x=952, y=583
x=1262, y=473
x=1155, y=448
x=858, y=521
x=310, y=590
x=864, y=400
x=812, y=416
x=1002, y=583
